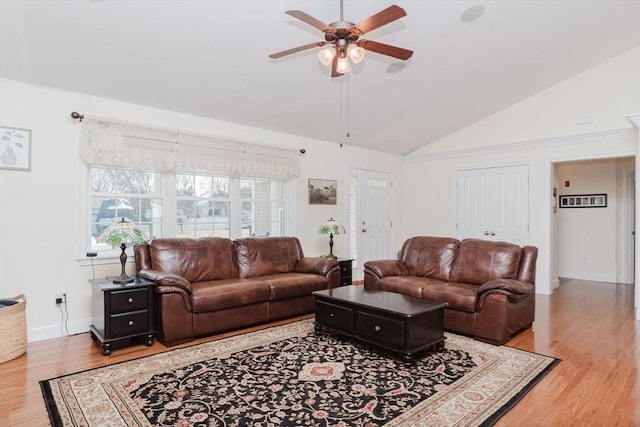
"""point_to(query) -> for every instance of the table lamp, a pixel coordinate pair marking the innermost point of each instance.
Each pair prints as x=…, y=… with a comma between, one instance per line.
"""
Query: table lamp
x=331, y=227
x=121, y=233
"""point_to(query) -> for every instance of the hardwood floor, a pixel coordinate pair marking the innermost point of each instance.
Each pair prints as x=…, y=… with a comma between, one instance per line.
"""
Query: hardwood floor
x=589, y=325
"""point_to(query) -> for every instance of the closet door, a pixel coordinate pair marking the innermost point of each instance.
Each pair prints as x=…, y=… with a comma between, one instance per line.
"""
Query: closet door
x=493, y=204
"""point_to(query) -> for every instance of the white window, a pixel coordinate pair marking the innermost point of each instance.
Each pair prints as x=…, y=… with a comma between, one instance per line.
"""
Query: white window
x=172, y=183
x=134, y=195
x=204, y=205
x=263, y=207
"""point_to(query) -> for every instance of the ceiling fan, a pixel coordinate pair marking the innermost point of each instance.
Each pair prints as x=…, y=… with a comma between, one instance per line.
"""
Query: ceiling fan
x=344, y=39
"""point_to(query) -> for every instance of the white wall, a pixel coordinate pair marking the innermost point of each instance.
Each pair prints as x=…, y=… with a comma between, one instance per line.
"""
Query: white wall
x=605, y=93
x=40, y=209
x=538, y=131
x=589, y=239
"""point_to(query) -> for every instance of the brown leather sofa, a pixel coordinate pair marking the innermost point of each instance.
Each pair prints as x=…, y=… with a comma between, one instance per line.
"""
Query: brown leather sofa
x=210, y=285
x=488, y=286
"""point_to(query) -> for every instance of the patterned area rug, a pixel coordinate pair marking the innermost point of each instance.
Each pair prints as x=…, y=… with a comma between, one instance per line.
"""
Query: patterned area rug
x=289, y=376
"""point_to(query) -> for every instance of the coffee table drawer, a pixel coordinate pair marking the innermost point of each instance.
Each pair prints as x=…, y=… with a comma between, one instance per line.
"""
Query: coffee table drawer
x=379, y=328
x=334, y=316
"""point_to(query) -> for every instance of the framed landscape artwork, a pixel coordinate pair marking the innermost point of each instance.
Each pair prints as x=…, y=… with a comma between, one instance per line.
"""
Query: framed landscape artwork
x=15, y=148
x=583, y=201
x=323, y=191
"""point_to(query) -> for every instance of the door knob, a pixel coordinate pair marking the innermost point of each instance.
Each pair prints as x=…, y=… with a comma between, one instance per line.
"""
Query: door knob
x=486, y=233
x=493, y=233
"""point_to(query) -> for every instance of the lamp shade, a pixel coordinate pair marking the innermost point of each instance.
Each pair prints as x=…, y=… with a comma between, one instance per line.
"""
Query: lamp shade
x=120, y=232
x=331, y=226
x=325, y=56
x=356, y=53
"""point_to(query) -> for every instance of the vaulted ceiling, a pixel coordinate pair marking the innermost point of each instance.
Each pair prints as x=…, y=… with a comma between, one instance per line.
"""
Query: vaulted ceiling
x=210, y=58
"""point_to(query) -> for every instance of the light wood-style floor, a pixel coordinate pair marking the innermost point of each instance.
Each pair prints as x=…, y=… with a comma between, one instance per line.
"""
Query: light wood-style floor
x=589, y=325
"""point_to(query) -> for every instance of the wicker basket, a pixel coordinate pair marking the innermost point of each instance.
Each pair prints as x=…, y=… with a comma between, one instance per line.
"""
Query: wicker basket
x=13, y=329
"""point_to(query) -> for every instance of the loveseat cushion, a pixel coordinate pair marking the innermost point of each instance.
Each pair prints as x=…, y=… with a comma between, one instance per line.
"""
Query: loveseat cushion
x=196, y=260
x=227, y=293
x=426, y=256
x=479, y=261
x=459, y=296
x=272, y=255
x=406, y=285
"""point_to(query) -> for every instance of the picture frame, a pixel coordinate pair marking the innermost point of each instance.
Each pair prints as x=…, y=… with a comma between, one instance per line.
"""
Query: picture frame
x=323, y=191
x=15, y=148
x=584, y=201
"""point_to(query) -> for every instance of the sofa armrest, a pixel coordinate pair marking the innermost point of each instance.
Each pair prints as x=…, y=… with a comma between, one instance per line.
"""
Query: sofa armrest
x=515, y=290
x=316, y=265
x=166, y=279
x=383, y=268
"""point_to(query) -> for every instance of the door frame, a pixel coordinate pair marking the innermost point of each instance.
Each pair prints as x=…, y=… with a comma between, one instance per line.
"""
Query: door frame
x=356, y=171
x=550, y=229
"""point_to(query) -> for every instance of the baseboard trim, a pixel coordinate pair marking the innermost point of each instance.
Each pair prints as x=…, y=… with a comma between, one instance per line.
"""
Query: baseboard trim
x=55, y=331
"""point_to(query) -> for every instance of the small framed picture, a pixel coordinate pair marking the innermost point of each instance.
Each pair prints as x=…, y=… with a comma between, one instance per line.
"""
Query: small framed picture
x=323, y=191
x=15, y=148
x=583, y=201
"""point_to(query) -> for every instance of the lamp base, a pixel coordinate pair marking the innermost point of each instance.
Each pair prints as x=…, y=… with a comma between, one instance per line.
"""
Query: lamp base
x=330, y=256
x=123, y=278
x=120, y=280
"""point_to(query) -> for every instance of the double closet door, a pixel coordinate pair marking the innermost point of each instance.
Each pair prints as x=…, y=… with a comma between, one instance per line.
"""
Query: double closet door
x=493, y=204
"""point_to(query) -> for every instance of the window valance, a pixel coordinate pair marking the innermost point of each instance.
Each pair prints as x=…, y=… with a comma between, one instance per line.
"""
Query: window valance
x=110, y=143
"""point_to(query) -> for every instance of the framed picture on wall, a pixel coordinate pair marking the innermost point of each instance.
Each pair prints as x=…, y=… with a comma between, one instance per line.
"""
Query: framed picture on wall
x=15, y=148
x=323, y=191
x=583, y=201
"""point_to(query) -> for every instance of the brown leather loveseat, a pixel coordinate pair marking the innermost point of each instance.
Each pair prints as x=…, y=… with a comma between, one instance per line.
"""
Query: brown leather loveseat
x=209, y=285
x=488, y=286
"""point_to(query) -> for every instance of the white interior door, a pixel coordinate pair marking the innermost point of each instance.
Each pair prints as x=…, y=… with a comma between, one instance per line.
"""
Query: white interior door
x=372, y=218
x=493, y=204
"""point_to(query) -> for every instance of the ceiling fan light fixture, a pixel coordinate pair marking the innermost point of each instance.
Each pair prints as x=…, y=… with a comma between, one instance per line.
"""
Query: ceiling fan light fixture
x=356, y=53
x=342, y=66
x=325, y=56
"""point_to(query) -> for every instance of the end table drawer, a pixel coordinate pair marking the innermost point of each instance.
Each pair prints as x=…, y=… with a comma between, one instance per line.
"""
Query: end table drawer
x=334, y=316
x=129, y=323
x=128, y=300
x=380, y=328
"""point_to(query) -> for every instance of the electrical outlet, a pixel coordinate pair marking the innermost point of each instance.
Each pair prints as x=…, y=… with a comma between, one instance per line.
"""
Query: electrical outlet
x=59, y=298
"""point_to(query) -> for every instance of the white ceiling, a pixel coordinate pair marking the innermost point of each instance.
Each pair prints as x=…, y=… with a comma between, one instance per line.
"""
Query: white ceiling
x=209, y=58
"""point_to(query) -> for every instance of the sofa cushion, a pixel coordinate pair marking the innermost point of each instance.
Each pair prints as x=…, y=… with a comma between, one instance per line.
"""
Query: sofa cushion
x=459, y=296
x=479, y=261
x=227, y=293
x=431, y=257
x=196, y=260
x=265, y=256
x=290, y=285
x=406, y=285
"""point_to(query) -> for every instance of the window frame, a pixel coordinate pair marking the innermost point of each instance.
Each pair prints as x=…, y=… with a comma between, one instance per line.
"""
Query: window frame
x=169, y=200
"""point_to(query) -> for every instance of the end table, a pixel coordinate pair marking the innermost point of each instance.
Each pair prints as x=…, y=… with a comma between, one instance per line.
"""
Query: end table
x=346, y=271
x=121, y=312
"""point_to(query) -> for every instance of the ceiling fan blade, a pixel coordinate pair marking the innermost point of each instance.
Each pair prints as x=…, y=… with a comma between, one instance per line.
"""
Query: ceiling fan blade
x=385, y=49
x=381, y=18
x=304, y=17
x=334, y=67
x=296, y=49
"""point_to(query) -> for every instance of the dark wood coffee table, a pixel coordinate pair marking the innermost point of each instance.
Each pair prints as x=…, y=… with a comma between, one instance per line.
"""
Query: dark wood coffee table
x=393, y=321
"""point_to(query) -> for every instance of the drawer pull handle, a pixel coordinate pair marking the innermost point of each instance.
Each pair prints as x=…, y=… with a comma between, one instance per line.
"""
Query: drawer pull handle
x=130, y=300
x=377, y=328
x=130, y=322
